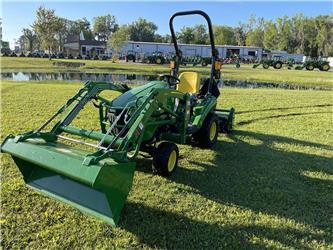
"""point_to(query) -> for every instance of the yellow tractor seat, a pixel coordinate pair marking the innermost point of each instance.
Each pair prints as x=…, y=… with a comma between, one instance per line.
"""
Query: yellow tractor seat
x=189, y=82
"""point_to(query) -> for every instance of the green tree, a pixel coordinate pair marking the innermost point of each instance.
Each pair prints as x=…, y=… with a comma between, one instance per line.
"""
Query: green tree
x=104, y=26
x=255, y=38
x=271, y=35
x=324, y=35
x=255, y=31
x=311, y=46
x=81, y=25
x=240, y=34
x=142, y=30
x=284, y=34
x=162, y=39
x=23, y=44
x=298, y=32
x=46, y=26
x=118, y=38
x=224, y=35
x=200, y=34
x=186, y=35
x=28, y=38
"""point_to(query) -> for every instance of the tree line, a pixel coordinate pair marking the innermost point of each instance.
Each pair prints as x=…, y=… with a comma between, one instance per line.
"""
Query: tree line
x=311, y=36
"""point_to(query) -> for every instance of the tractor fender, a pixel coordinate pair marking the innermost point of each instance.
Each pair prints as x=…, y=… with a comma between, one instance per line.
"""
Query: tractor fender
x=200, y=112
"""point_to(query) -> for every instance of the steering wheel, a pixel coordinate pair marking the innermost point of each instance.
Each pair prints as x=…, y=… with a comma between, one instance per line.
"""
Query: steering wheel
x=168, y=79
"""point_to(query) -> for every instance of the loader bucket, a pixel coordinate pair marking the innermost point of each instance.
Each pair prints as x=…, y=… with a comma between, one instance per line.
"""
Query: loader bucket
x=57, y=170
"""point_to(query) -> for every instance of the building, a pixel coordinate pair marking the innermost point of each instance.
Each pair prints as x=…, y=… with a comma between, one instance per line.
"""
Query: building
x=148, y=48
x=284, y=55
x=246, y=52
x=78, y=45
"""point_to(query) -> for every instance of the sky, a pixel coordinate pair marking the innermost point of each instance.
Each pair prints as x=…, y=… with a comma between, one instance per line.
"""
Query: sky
x=21, y=14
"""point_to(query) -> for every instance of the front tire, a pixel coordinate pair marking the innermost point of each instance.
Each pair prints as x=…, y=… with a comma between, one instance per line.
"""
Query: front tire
x=278, y=65
x=165, y=159
x=208, y=133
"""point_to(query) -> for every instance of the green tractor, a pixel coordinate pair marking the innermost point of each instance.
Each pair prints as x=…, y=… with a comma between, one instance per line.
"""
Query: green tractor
x=157, y=57
x=196, y=60
x=130, y=56
x=92, y=170
x=266, y=63
x=313, y=64
x=193, y=60
x=205, y=61
x=169, y=57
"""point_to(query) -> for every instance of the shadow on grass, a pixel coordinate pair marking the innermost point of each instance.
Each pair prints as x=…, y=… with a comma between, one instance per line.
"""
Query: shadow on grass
x=284, y=108
x=279, y=116
x=162, y=229
x=258, y=177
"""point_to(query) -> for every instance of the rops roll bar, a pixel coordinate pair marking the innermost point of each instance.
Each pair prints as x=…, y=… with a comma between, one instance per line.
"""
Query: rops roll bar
x=215, y=53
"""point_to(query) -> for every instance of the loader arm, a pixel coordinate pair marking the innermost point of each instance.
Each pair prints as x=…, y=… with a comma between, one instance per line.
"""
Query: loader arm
x=129, y=140
x=141, y=119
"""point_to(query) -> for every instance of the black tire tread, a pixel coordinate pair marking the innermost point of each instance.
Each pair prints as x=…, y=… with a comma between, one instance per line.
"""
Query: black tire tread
x=202, y=136
x=161, y=158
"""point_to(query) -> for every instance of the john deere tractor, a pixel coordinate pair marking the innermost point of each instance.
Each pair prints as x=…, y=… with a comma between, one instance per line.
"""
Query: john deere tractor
x=130, y=56
x=92, y=170
x=266, y=63
x=313, y=64
x=157, y=57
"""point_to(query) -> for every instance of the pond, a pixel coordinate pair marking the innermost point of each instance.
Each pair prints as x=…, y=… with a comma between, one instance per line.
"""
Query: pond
x=75, y=77
x=135, y=79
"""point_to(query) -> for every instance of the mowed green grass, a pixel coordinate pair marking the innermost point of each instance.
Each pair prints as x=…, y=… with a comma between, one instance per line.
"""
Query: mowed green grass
x=268, y=184
x=245, y=73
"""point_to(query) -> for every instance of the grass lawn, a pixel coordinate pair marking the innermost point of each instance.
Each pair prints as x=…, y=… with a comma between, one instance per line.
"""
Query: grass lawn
x=246, y=72
x=268, y=184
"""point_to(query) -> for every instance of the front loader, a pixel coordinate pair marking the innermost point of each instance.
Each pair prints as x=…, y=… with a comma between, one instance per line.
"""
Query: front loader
x=92, y=170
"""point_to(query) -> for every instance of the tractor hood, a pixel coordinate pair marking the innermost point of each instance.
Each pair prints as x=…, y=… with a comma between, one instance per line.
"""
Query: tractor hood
x=138, y=92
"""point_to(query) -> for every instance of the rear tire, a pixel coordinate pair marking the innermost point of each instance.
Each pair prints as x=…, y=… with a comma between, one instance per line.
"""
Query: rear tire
x=165, y=159
x=325, y=67
x=206, y=137
x=310, y=67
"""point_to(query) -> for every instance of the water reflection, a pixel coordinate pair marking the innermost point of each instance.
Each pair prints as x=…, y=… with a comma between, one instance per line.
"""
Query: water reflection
x=74, y=76
x=137, y=79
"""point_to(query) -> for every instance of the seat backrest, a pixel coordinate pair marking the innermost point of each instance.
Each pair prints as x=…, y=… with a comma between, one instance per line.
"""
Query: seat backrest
x=189, y=82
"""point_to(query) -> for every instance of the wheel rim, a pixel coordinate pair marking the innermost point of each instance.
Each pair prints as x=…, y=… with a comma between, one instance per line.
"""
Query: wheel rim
x=325, y=67
x=158, y=61
x=278, y=65
x=212, y=131
x=172, y=160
